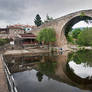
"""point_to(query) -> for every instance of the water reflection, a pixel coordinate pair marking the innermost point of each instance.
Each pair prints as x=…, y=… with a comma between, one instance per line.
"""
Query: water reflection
x=69, y=72
x=83, y=70
x=48, y=67
x=27, y=81
x=81, y=64
x=39, y=76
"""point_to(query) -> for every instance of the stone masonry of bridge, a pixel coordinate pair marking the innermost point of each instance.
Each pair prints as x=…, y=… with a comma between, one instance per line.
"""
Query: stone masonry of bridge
x=59, y=26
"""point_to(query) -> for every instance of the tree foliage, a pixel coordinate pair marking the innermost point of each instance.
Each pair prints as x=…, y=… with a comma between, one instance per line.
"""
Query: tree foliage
x=76, y=32
x=48, y=18
x=81, y=56
x=70, y=39
x=37, y=20
x=85, y=37
x=47, y=35
x=82, y=14
x=4, y=41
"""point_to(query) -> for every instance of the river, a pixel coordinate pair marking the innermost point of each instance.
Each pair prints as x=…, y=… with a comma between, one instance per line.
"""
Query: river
x=67, y=72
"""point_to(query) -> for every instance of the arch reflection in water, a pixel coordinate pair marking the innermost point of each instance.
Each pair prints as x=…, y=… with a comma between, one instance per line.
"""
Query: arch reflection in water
x=80, y=63
x=83, y=70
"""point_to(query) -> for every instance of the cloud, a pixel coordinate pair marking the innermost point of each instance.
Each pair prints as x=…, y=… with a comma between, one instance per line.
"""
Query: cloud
x=24, y=11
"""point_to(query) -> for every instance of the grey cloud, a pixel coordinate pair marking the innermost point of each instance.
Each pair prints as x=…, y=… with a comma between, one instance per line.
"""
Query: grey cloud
x=24, y=11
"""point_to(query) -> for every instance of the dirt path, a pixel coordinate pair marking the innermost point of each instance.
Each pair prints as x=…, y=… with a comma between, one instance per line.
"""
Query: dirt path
x=3, y=82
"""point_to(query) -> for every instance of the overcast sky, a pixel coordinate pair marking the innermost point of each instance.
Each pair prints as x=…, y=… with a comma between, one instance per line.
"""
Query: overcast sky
x=24, y=11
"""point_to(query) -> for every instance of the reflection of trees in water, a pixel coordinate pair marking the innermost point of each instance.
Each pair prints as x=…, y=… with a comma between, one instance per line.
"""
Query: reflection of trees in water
x=82, y=56
x=39, y=76
x=48, y=67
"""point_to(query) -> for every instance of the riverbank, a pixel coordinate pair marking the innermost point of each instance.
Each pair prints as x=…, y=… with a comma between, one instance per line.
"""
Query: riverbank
x=76, y=47
x=37, y=51
x=22, y=52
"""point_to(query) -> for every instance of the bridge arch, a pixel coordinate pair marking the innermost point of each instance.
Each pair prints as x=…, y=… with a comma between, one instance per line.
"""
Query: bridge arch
x=67, y=27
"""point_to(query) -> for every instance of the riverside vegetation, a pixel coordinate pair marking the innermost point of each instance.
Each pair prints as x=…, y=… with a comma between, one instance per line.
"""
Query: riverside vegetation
x=80, y=36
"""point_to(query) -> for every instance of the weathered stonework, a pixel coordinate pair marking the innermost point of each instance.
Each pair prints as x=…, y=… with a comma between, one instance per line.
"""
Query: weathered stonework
x=60, y=24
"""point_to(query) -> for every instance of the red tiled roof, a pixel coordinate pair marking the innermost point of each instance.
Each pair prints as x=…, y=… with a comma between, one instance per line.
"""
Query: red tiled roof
x=15, y=27
x=28, y=35
x=21, y=26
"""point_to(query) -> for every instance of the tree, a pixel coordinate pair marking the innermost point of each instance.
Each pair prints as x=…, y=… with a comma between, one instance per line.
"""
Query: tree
x=82, y=14
x=37, y=20
x=48, y=18
x=47, y=36
x=85, y=37
x=76, y=32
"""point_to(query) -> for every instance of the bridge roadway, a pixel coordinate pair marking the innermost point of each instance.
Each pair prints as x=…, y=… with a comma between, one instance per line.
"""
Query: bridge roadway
x=3, y=81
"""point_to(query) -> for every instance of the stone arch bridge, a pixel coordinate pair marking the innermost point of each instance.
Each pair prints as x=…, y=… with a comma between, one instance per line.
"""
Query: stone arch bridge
x=63, y=24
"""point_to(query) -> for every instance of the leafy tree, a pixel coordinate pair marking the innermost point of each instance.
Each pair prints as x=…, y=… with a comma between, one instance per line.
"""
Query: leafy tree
x=82, y=14
x=85, y=37
x=37, y=20
x=47, y=36
x=70, y=39
x=48, y=18
x=76, y=32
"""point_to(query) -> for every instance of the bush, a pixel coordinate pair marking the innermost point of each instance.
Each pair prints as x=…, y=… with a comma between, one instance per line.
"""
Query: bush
x=70, y=39
x=76, y=32
x=4, y=41
x=85, y=38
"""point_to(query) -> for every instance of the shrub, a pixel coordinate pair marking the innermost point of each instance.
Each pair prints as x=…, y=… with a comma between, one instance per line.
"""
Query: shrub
x=4, y=41
x=85, y=38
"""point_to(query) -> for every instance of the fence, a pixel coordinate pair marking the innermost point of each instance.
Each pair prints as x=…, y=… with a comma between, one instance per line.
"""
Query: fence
x=10, y=79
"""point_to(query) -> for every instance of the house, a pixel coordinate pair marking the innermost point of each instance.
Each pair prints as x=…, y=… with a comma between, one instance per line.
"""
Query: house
x=4, y=33
x=26, y=39
x=17, y=29
x=14, y=31
x=4, y=30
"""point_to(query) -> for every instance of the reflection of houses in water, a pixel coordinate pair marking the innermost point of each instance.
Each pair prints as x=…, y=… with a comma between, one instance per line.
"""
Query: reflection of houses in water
x=21, y=63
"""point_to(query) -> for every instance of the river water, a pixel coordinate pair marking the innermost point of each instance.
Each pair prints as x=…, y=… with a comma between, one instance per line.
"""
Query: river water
x=67, y=72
